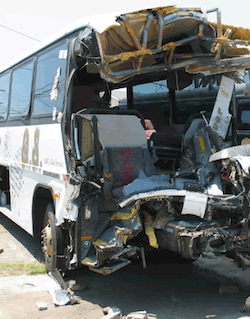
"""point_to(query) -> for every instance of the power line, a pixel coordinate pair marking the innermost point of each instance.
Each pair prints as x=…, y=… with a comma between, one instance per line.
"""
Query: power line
x=4, y=26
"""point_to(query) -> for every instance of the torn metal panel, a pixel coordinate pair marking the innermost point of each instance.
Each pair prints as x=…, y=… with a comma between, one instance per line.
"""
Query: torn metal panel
x=111, y=244
x=59, y=291
x=220, y=118
x=195, y=204
x=65, y=208
x=129, y=219
x=210, y=67
x=240, y=150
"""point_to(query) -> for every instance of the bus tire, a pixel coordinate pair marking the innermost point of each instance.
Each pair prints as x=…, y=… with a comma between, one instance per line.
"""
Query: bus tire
x=52, y=240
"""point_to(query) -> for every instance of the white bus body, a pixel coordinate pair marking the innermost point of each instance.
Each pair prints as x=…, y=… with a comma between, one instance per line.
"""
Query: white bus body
x=97, y=182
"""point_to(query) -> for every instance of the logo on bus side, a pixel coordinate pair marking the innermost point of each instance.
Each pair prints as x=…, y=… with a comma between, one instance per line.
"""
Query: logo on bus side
x=35, y=151
x=25, y=148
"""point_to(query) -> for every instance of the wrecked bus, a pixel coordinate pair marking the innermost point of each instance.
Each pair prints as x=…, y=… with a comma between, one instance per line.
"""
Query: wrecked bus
x=104, y=184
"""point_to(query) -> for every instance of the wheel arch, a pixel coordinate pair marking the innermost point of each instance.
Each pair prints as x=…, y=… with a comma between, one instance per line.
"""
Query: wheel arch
x=41, y=198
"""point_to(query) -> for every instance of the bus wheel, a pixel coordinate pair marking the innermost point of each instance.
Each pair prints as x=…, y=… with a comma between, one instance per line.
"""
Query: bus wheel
x=52, y=241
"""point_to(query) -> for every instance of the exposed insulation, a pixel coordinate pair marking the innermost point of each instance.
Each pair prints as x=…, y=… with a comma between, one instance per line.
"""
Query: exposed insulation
x=237, y=32
x=210, y=70
x=127, y=55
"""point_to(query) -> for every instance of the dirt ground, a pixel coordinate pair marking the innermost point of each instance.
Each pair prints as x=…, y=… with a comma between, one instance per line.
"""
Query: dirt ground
x=169, y=290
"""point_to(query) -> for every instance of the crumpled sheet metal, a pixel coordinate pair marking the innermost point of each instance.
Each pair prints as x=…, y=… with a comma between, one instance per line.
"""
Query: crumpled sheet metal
x=128, y=218
x=113, y=237
x=112, y=240
x=234, y=151
x=222, y=67
x=125, y=224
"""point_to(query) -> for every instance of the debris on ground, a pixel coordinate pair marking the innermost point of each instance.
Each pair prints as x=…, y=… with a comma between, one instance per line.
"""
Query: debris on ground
x=74, y=286
x=228, y=289
x=112, y=313
x=61, y=294
x=115, y=313
x=138, y=315
x=41, y=305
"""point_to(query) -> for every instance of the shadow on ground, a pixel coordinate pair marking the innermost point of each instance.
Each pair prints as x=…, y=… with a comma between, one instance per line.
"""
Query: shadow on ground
x=166, y=289
x=32, y=244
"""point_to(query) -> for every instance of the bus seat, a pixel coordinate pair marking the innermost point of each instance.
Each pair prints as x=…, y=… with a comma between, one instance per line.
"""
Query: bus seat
x=166, y=145
x=122, y=165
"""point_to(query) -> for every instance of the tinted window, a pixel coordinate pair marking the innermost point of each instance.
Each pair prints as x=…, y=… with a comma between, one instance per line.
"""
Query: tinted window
x=150, y=88
x=4, y=95
x=50, y=81
x=151, y=99
x=245, y=117
x=21, y=91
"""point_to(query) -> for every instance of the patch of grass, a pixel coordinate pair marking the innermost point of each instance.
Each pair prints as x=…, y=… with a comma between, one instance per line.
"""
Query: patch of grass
x=33, y=268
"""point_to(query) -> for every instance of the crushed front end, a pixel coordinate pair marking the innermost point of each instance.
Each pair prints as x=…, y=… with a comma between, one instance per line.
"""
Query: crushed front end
x=200, y=210
x=127, y=207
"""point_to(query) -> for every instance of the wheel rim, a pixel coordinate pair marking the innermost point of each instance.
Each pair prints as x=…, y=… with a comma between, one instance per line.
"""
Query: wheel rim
x=47, y=241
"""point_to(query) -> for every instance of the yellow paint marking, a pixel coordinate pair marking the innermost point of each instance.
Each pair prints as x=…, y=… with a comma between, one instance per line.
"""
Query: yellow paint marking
x=202, y=144
x=124, y=216
x=86, y=237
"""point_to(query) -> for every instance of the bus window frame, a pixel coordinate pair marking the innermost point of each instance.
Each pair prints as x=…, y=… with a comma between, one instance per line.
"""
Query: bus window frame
x=17, y=67
x=37, y=56
x=8, y=106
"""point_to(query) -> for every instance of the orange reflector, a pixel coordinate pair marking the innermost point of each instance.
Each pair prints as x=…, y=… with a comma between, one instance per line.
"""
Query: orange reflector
x=56, y=195
x=86, y=237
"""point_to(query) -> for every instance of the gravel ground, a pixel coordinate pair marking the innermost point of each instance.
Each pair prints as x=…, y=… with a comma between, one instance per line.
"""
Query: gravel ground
x=17, y=245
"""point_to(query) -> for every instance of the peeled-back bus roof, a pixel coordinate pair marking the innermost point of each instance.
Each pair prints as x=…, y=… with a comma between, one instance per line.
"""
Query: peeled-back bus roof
x=146, y=41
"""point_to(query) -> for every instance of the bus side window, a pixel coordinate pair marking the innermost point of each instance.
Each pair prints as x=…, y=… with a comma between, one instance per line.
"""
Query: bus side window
x=50, y=81
x=21, y=91
x=243, y=116
x=4, y=95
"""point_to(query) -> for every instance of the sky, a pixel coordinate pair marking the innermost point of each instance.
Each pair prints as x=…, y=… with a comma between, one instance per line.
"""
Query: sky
x=43, y=19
